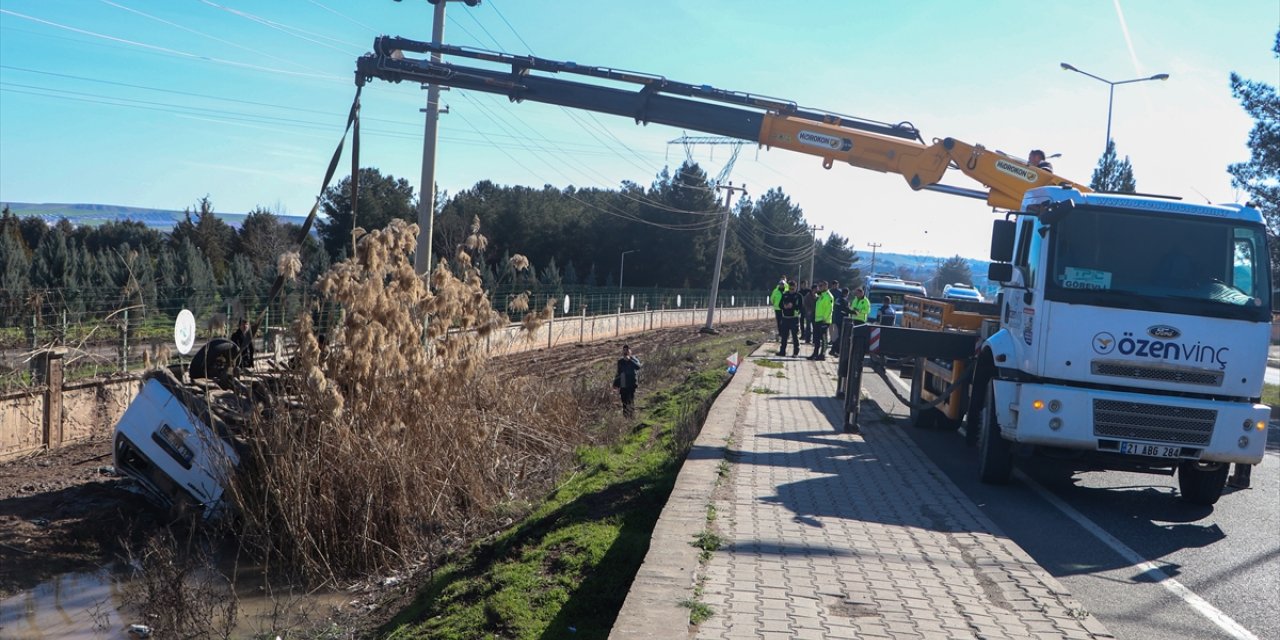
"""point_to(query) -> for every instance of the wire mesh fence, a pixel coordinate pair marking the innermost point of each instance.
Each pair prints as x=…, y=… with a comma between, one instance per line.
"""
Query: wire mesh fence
x=104, y=336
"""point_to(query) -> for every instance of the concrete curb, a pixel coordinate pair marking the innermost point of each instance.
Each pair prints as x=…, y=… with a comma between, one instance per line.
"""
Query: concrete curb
x=667, y=576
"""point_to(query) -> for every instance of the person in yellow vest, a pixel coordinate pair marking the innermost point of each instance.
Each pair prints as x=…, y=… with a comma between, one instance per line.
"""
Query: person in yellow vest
x=775, y=298
x=859, y=306
x=822, y=311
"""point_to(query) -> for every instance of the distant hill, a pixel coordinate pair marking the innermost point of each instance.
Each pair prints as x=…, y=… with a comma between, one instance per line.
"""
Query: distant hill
x=96, y=214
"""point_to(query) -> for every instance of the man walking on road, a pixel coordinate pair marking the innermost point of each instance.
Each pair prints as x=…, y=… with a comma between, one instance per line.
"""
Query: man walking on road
x=823, y=306
x=627, y=379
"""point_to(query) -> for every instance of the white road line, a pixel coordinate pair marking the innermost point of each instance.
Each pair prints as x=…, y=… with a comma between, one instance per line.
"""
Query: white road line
x=1224, y=622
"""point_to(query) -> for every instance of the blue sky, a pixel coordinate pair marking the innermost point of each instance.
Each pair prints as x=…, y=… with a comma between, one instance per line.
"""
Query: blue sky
x=156, y=103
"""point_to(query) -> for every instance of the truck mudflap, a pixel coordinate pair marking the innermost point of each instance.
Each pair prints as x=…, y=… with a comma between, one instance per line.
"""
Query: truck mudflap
x=1142, y=426
x=172, y=443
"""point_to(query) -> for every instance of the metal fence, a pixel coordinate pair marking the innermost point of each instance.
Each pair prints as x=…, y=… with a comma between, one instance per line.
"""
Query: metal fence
x=102, y=337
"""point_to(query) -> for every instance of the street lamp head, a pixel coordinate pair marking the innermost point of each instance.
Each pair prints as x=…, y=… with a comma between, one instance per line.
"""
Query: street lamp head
x=1067, y=67
x=1160, y=76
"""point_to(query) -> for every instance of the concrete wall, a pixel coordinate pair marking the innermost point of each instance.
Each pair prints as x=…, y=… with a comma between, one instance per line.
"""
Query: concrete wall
x=85, y=410
x=576, y=329
x=89, y=410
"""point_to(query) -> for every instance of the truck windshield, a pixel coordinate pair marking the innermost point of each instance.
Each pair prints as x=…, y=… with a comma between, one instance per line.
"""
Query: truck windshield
x=1174, y=264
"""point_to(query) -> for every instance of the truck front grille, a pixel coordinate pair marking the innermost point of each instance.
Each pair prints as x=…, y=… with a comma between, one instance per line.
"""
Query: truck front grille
x=1184, y=375
x=1154, y=422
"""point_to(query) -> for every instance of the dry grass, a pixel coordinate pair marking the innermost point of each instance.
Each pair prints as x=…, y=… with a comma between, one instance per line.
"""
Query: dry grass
x=383, y=451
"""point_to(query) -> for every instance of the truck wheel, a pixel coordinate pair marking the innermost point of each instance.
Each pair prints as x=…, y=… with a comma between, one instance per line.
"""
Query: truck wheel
x=922, y=418
x=995, y=454
x=1202, y=483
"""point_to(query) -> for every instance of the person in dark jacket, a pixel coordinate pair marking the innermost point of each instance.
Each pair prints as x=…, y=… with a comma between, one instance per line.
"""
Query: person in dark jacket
x=791, y=302
x=243, y=339
x=627, y=379
x=808, y=297
x=888, y=317
x=837, y=319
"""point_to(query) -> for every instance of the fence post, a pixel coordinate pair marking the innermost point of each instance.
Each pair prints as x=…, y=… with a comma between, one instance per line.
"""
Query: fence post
x=124, y=343
x=617, y=322
x=582, y=325
x=47, y=367
x=551, y=329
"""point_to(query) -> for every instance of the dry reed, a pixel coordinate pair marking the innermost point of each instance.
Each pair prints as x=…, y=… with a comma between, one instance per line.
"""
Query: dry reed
x=381, y=450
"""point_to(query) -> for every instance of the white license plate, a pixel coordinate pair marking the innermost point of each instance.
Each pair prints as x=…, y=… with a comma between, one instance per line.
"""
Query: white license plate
x=1152, y=450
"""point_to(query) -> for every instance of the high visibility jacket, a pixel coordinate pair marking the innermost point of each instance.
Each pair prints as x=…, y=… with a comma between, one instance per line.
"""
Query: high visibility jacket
x=823, y=307
x=776, y=296
x=860, y=308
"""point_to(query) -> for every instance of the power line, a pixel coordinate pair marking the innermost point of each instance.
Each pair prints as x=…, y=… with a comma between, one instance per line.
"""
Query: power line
x=166, y=50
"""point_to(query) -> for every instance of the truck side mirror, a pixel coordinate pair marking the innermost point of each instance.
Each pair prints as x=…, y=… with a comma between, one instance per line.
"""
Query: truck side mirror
x=999, y=272
x=1002, y=232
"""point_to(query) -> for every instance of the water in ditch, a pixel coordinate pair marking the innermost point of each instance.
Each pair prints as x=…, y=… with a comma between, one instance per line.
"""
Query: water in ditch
x=93, y=606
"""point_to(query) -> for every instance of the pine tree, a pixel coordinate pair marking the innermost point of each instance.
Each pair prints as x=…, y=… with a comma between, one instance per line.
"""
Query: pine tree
x=14, y=267
x=1113, y=175
x=953, y=270
x=1260, y=176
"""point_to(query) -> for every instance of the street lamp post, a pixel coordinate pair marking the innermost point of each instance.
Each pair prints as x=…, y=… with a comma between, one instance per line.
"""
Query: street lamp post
x=1112, y=97
x=622, y=267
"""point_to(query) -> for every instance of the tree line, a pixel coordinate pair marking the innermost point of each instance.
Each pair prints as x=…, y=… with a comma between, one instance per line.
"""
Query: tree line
x=571, y=237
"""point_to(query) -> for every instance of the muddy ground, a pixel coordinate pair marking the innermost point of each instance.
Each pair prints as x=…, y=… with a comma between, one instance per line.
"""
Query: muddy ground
x=65, y=511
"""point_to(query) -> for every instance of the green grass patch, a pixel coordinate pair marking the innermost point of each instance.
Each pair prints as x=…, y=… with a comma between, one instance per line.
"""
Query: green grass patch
x=779, y=374
x=699, y=612
x=1271, y=395
x=570, y=562
x=764, y=390
x=770, y=364
x=709, y=542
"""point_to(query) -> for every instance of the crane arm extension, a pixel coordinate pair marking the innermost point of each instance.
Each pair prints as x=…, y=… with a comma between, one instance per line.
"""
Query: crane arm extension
x=877, y=146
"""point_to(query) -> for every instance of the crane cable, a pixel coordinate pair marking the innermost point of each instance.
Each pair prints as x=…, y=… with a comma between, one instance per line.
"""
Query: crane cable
x=353, y=118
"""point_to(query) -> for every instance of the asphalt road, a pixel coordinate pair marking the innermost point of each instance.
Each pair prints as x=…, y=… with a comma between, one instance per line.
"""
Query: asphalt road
x=1093, y=531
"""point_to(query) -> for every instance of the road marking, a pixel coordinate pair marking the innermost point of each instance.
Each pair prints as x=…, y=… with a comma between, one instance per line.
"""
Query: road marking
x=1217, y=617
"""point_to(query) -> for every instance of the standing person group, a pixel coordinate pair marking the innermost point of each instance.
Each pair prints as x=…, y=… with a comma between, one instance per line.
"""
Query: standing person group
x=814, y=315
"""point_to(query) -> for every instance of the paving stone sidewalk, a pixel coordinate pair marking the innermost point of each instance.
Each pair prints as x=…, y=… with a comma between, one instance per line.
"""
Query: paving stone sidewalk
x=833, y=535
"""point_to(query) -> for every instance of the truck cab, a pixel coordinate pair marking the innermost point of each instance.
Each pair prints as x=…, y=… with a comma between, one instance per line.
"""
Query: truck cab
x=1133, y=329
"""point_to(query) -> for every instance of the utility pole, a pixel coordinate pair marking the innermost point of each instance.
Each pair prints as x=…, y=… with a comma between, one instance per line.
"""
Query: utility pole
x=715, y=279
x=427, y=190
x=874, y=246
x=813, y=249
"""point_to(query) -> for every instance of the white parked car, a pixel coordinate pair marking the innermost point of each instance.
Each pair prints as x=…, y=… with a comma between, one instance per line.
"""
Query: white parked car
x=962, y=292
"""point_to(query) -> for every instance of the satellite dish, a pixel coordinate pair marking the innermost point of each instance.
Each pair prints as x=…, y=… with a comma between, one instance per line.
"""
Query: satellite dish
x=633, y=301
x=566, y=303
x=184, y=332
x=677, y=300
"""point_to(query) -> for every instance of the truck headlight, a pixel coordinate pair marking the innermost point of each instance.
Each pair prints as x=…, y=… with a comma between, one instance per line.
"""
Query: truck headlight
x=1243, y=442
x=1055, y=423
x=1248, y=425
x=1055, y=406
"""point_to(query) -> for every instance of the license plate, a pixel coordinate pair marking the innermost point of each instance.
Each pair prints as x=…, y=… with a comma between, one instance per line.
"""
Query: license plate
x=1151, y=450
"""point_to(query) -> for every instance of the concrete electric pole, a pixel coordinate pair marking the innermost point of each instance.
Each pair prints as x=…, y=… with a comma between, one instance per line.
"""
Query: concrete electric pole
x=874, y=246
x=427, y=191
x=715, y=279
x=813, y=249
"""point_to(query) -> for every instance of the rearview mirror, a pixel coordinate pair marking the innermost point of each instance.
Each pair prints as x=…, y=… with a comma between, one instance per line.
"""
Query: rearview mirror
x=1002, y=232
x=1000, y=272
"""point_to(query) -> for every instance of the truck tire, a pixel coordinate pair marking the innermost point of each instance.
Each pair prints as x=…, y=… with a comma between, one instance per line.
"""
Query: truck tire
x=1201, y=483
x=922, y=418
x=995, y=454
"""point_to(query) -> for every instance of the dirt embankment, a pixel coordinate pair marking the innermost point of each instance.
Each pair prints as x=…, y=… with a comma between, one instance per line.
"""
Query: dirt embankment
x=65, y=511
